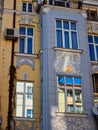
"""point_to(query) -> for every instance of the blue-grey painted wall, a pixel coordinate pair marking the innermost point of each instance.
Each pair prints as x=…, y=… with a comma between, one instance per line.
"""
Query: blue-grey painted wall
x=49, y=71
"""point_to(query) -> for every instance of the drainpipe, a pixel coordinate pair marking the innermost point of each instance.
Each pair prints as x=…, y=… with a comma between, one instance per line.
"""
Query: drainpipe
x=12, y=75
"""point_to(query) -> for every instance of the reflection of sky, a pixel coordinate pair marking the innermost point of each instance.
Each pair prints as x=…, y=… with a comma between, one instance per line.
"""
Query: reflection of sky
x=69, y=80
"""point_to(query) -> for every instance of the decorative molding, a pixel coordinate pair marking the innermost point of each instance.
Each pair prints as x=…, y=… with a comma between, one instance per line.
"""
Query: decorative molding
x=67, y=62
x=26, y=19
x=23, y=60
x=70, y=123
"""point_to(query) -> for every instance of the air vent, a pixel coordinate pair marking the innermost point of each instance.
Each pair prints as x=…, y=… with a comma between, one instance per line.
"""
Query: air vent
x=11, y=34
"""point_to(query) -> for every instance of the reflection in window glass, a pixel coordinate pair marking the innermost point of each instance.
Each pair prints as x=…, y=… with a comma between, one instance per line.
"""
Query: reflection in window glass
x=69, y=94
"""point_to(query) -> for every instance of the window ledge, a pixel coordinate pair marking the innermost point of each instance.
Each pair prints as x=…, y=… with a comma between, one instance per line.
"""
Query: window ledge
x=68, y=50
x=26, y=55
x=71, y=114
x=94, y=62
x=24, y=119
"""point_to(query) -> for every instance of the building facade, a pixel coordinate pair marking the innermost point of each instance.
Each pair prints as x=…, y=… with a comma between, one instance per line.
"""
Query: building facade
x=20, y=66
x=69, y=90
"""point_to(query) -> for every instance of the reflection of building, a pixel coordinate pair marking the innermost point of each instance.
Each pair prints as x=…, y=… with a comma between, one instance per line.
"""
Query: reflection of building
x=19, y=49
x=67, y=35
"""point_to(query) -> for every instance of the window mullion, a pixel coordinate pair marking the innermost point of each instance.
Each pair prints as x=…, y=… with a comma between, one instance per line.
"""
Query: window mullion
x=70, y=38
x=74, y=106
x=66, y=102
x=24, y=101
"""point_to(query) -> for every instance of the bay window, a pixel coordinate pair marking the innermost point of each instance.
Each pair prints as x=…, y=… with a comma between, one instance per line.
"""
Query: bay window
x=66, y=33
x=24, y=99
x=69, y=94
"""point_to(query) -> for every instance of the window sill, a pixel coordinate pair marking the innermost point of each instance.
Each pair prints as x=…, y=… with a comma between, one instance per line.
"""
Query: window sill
x=24, y=119
x=94, y=62
x=26, y=55
x=71, y=114
x=67, y=50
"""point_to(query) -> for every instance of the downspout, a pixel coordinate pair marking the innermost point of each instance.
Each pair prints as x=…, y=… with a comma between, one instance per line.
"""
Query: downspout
x=12, y=75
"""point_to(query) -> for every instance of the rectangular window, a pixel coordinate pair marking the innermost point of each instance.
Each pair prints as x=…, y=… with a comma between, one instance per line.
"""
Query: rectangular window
x=95, y=87
x=69, y=94
x=66, y=33
x=27, y=7
x=24, y=99
x=93, y=47
x=26, y=40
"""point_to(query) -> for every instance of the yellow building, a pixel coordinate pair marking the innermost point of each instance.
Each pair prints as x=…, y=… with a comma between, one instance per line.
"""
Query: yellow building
x=20, y=66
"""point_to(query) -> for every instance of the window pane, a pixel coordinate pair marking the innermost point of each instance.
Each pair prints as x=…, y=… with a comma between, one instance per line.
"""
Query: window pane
x=90, y=39
x=58, y=24
x=30, y=31
x=20, y=87
x=22, y=45
x=29, y=47
x=29, y=87
x=70, y=108
x=69, y=80
x=91, y=49
x=96, y=39
x=66, y=36
x=24, y=7
x=59, y=39
x=19, y=106
x=73, y=26
x=61, y=79
x=61, y=99
x=66, y=25
x=74, y=40
x=97, y=52
x=29, y=113
x=77, y=80
x=22, y=30
x=29, y=7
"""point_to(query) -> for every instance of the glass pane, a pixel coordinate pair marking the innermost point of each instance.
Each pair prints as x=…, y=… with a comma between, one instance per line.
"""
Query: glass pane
x=91, y=50
x=19, y=111
x=19, y=105
x=30, y=31
x=90, y=39
x=28, y=101
x=20, y=87
x=66, y=25
x=70, y=108
x=29, y=113
x=69, y=80
x=77, y=81
x=58, y=24
x=22, y=30
x=61, y=99
x=29, y=87
x=24, y=7
x=66, y=37
x=59, y=39
x=96, y=39
x=29, y=47
x=74, y=40
x=69, y=97
x=97, y=52
x=79, y=109
x=29, y=7
x=73, y=26
x=22, y=45
x=61, y=80
x=19, y=100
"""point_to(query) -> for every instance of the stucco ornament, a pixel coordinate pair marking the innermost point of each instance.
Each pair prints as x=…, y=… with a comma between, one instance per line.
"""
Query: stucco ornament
x=71, y=123
x=67, y=62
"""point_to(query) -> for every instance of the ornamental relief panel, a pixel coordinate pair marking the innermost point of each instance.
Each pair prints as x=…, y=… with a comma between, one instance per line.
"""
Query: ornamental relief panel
x=67, y=62
x=71, y=123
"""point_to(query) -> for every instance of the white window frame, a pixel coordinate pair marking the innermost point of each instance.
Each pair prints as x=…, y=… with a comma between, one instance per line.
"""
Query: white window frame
x=24, y=95
x=27, y=3
x=94, y=45
x=26, y=39
x=69, y=32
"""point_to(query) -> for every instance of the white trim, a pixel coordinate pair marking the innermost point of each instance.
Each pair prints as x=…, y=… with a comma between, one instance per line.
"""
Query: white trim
x=71, y=114
x=26, y=55
x=68, y=50
x=27, y=119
